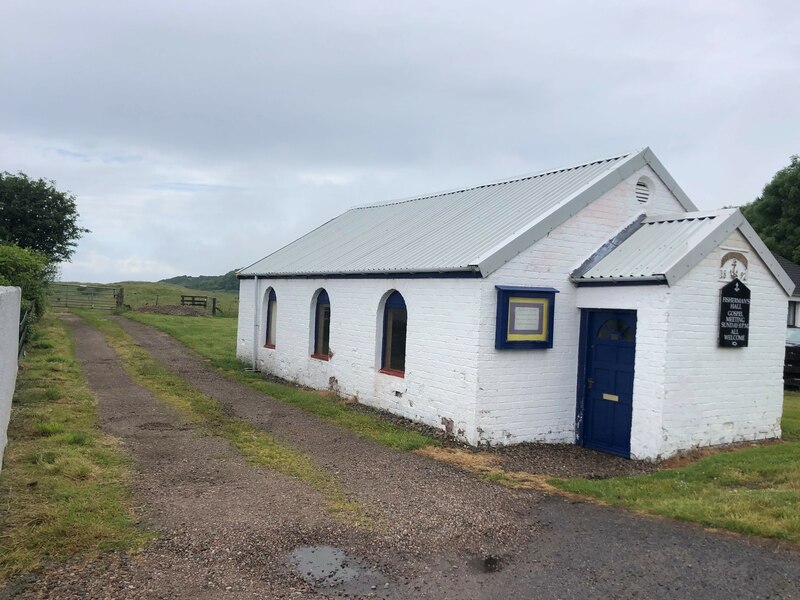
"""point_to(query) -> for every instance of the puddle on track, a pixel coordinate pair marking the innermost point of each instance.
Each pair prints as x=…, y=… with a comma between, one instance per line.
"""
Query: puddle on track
x=486, y=564
x=331, y=571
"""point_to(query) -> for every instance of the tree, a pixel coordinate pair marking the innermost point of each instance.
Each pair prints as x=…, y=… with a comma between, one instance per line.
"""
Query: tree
x=210, y=283
x=775, y=215
x=35, y=215
x=27, y=269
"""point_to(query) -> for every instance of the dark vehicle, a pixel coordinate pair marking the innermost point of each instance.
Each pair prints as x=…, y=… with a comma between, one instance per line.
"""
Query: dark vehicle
x=791, y=363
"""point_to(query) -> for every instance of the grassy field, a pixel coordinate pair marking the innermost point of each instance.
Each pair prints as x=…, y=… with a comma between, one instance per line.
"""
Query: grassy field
x=255, y=444
x=143, y=293
x=753, y=491
x=215, y=339
x=63, y=486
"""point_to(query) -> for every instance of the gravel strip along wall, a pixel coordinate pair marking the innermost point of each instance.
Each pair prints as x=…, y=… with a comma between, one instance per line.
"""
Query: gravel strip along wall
x=9, y=334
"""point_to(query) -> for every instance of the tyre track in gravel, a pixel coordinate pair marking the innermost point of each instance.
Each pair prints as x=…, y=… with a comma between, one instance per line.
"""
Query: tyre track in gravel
x=423, y=506
x=220, y=532
x=436, y=517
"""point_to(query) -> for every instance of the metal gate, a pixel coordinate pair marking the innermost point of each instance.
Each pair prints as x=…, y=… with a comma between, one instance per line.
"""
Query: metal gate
x=76, y=295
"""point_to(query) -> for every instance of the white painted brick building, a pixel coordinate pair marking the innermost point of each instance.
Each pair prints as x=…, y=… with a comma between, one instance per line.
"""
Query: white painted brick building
x=579, y=305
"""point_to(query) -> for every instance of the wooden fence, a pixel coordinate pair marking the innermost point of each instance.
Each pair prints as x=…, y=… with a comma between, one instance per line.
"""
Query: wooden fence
x=201, y=301
x=194, y=301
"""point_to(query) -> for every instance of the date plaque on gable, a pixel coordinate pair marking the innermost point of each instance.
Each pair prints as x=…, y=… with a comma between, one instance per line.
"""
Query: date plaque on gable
x=734, y=315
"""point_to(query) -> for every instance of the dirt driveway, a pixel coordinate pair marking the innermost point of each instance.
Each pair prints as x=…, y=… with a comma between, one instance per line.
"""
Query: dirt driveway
x=232, y=530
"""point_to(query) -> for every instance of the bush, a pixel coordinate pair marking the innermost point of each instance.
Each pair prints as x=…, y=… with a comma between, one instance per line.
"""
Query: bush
x=29, y=270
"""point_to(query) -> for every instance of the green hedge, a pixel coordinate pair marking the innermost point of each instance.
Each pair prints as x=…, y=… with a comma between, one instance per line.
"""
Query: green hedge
x=27, y=269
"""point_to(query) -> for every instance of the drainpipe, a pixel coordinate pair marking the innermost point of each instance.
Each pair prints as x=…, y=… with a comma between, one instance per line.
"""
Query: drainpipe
x=255, y=323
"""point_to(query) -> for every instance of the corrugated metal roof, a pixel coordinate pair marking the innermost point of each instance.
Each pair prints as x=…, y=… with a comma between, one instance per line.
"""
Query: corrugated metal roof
x=442, y=232
x=660, y=244
x=792, y=270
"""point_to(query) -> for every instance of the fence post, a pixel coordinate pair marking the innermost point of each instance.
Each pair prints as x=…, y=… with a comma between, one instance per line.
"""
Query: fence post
x=213, y=307
x=23, y=330
x=120, y=297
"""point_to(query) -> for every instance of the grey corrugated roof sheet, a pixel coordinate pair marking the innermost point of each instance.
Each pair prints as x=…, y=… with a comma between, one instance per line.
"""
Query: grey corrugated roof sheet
x=472, y=229
x=666, y=247
x=442, y=232
x=792, y=270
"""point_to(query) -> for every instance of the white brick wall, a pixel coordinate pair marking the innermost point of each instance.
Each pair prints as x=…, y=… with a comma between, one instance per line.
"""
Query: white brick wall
x=721, y=395
x=530, y=395
x=9, y=334
x=441, y=353
x=650, y=362
x=687, y=392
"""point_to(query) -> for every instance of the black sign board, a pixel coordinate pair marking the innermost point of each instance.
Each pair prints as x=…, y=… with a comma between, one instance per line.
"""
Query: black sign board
x=734, y=315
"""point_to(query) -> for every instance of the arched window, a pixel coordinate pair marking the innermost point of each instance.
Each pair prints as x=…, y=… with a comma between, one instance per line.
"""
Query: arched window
x=393, y=359
x=271, y=320
x=322, y=326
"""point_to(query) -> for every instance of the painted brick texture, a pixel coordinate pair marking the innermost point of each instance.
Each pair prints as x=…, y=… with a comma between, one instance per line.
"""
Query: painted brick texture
x=687, y=392
x=530, y=395
x=441, y=354
x=721, y=395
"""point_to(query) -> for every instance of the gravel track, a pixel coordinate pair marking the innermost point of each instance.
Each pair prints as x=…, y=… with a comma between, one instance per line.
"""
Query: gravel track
x=230, y=527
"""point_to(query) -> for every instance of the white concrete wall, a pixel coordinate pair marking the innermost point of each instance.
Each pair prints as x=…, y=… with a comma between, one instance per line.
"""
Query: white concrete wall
x=530, y=395
x=722, y=395
x=9, y=335
x=441, y=353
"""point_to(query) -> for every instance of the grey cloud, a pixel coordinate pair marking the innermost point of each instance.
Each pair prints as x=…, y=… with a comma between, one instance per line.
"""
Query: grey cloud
x=245, y=124
x=184, y=186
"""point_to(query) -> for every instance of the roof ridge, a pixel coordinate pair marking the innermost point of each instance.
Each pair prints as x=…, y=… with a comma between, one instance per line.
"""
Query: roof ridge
x=515, y=179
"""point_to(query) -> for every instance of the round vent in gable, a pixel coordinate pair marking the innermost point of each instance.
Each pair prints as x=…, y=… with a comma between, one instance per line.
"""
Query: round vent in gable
x=642, y=190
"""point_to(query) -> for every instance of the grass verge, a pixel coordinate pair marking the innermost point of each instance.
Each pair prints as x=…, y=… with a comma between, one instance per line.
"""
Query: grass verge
x=63, y=488
x=753, y=491
x=215, y=339
x=255, y=444
x=487, y=467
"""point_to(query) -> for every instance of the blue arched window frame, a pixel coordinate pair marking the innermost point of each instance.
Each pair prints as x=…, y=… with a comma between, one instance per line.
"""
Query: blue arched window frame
x=393, y=347
x=272, y=317
x=322, y=326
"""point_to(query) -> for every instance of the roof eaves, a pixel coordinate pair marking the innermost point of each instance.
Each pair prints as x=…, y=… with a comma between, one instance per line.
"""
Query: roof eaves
x=501, y=253
x=724, y=226
x=619, y=280
x=722, y=213
x=369, y=273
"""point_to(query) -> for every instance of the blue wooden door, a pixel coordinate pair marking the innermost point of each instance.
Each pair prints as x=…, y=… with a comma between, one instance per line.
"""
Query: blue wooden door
x=609, y=346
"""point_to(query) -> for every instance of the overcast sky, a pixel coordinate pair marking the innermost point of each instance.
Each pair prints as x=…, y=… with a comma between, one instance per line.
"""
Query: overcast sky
x=200, y=136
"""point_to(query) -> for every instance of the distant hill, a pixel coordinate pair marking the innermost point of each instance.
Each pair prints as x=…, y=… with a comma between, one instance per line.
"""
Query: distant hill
x=225, y=283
